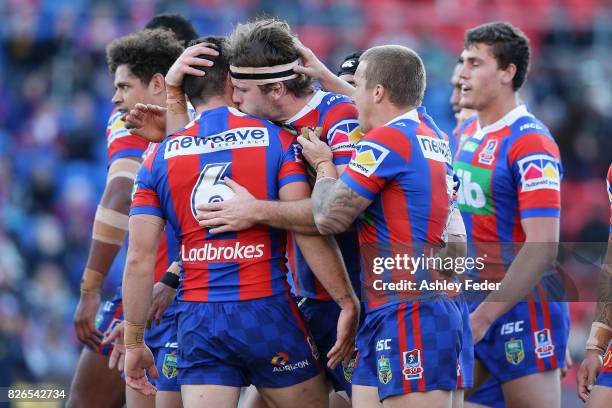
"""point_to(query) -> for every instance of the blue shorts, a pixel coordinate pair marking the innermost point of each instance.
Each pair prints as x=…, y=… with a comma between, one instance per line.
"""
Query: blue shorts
x=264, y=342
x=322, y=319
x=530, y=338
x=162, y=341
x=409, y=347
x=490, y=394
x=605, y=375
x=109, y=315
x=465, y=369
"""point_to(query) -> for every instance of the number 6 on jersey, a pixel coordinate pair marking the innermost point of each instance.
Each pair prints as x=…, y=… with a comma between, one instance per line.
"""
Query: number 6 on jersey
x=210, y=187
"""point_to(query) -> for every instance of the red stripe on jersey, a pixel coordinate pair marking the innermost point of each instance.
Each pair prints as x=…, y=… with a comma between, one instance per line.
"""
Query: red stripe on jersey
x=418, y=341
x=438, y=214
x=148, y=161
x=195, y=280
x=250, y=177
x=533, y=321
x=145, y=198
x=394, y=139
x=547, y=323
x=402, y=337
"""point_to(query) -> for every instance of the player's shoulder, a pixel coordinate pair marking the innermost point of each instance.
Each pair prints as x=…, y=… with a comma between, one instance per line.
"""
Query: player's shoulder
x=331, y=99
x=528, y=125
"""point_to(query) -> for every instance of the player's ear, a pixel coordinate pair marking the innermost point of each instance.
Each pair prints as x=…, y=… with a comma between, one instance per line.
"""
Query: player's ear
x=278, y=90
x=378, y=93
x=157, y=84
x=508, y=74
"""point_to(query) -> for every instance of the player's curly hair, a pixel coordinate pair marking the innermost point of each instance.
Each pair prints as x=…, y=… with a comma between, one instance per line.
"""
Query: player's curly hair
x=179, y=25
x=146, y=53
x=266, y=42
x=508, y=44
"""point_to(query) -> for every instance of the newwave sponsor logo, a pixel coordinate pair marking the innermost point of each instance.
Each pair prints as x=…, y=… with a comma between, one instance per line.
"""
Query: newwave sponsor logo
x=435, y=149
x=210, y=252
x=230, y=139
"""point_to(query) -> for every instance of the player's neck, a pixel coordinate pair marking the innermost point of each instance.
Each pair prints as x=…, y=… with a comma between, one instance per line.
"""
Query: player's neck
x=212, y=103
x=497, y=109
x=291, y=105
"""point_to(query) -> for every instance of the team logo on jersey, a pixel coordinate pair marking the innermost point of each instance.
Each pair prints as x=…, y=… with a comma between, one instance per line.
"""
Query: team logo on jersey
x=413, y=369
x=544, y=346
x=117, y=129
x=367, y=157
x=487, y=155
x=348, y=370
x=436, y=149
x=169, y=368
x=539, y=171
x=344, y=136
x=514, y=351
x=384, y=370
x=230, y=139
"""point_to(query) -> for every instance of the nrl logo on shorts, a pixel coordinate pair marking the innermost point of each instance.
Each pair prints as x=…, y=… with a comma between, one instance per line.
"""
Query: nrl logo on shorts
x=348, y=370
x=413, y=369
x=514, y=351
x=384, y=370
x=544, y=346
x=169, y=369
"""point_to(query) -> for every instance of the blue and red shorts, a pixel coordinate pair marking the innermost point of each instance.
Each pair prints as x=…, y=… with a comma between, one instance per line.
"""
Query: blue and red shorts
x=264, y=342
x=410, y=347
x=530, y=338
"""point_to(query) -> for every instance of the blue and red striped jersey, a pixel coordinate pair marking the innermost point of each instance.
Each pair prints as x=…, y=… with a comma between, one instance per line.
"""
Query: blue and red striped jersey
x=405, y=168
x=120, y=142
x=509, y=171
x=188, y=168
x=336, y=115
x=609, y=185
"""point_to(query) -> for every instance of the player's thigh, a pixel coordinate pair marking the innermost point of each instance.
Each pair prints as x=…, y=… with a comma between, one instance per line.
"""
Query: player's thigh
x=218, y=396
x=600, y=397
x=339, y=399
x=312, y=393
x=94, y=384
x=134, y=399
x=535, y=390
x=457, y=398
x=168, y=399
x=430, y=399
x=365, y=397
x=252, y=399
x=481, y=375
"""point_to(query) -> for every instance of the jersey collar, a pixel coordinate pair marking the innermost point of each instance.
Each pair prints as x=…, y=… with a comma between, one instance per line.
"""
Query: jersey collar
x=412, y=115
x=312, y=104
x=507, y=120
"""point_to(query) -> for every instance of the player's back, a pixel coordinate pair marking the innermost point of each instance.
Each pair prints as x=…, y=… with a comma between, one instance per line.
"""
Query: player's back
x=188, y=168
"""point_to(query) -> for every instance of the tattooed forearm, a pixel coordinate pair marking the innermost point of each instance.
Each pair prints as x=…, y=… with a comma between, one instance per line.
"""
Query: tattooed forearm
x=335, y=206
x=604, y=293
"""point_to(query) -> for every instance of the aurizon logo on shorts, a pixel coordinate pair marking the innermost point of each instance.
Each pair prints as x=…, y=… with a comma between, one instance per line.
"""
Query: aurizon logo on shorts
x=213, y=253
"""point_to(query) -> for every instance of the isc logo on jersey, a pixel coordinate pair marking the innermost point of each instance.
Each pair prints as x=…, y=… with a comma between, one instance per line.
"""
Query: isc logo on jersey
x=345, y=135
x=230, y=139
x=539, y=171
x=367, y=157
x=435, y=149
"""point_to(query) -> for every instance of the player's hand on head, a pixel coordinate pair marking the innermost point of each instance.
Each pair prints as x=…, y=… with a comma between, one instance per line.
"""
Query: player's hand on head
x=314, y=150
x=163, y=296
x=148, y=121
x=587, y=373
x=185, y=63
x=234, y=214
x=85, y=319
x=311, y=65
x=348, y=322
x=139, y=361
x=117, y=356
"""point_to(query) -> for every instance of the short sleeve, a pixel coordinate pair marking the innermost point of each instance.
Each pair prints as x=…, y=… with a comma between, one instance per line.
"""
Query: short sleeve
x=145, y=199
x=120, y=142
x=536, y=168
x=292, y=167
x=341, y=131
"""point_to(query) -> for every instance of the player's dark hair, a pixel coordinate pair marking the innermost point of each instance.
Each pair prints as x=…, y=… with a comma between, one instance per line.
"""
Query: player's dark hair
x=399, y=70
x=200, y=89
x=146, y=53
x=350, y=63
x=179, y=25
x=508, y=44
x=265, y=42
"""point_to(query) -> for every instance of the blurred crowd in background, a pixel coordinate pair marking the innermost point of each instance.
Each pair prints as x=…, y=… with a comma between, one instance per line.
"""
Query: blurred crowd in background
x=55, y=93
